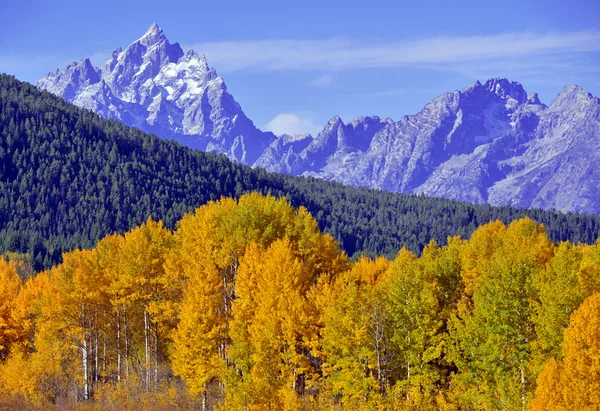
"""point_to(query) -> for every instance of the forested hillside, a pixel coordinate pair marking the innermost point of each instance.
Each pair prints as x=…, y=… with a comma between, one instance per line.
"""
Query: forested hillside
x=69, y=177
x=248, y=306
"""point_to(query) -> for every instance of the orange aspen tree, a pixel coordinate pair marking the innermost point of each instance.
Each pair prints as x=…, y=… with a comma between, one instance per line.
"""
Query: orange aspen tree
x=10, y=287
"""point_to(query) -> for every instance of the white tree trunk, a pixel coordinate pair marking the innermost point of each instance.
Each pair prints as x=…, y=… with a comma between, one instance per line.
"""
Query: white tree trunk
x=126, y=346
x=156, y=354
x=104, y=355
x=84, y=368
x=96, y=357
x=205, y=399
x=119, y=345
x=522, y=387
x=147, y=347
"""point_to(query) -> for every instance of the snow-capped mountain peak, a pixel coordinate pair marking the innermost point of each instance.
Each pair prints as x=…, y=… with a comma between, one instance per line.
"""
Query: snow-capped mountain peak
x=490, y=142
x=153, y=85
x=153, y=35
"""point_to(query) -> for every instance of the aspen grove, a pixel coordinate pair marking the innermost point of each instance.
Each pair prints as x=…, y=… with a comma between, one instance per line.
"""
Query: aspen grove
x=247, y=305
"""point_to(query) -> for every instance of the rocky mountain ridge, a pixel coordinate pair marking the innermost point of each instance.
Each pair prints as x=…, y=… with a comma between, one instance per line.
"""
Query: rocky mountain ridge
x=490, y=142
x=154, y=86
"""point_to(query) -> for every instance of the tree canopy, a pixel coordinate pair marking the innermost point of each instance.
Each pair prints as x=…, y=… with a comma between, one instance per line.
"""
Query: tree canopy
x=249, y=305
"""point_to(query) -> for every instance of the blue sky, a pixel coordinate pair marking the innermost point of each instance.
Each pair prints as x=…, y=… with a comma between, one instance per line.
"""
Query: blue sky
x=293, y=65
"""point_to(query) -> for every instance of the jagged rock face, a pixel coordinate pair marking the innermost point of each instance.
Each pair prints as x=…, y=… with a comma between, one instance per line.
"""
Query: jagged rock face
x=155, y=86
x=282, y=156
x=488, y=143
x=336, y=147
x=558, y=168
x=545, y=159
x=69, y=82
x=401, y=156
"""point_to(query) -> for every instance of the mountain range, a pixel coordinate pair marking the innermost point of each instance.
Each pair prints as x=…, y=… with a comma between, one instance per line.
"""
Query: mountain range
x=490, y=142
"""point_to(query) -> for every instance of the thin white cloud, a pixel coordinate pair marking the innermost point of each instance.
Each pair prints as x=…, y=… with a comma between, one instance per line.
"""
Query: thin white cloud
x=323, y=81
x=388, y=93
x=539, y=67
x=501, y=52
x=340, y=53
x=292, y=124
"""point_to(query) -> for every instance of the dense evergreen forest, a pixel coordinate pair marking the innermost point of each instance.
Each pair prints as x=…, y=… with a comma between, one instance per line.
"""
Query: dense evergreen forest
x=249, y=306
x=69, y=177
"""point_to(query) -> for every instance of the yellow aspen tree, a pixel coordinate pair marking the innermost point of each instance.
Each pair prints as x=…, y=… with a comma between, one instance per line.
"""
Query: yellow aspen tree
x=40, y=368
x=443, y=266
x=478, y=251
x=210, y=244
x=495, y=336
x=414, y=306
x=91, y=283
x=106, y=255
x=69, y=319
x=144, y=296
x=474, y=256
x=10, y=287
x=40, y=377
x=199, y=337
x=440, y=268
x=549, y=389
x=274, y=324
x=588, y=274
x=26, y=309
x=356, y=334
x=574, y=384
x=559, y=296
x=581, y=357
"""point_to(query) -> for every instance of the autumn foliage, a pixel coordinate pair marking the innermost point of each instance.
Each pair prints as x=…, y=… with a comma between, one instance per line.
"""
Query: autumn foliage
x=249, y=306
x=574, y=383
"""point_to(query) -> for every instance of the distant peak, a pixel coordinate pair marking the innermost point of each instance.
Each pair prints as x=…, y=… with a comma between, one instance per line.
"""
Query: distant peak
x=572, y=88
x=334, y=120
x=153, y=35
x=86, y=62
x=153, y=29
x=155, y=42
x=573, y=95
x=505, y=88
x=497, y=83
x=496, y=80
x=334, y=123
x=81, y=64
